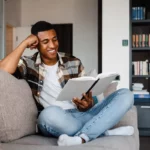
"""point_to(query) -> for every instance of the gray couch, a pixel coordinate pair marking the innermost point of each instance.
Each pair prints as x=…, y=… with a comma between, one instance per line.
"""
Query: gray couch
x=18, y=114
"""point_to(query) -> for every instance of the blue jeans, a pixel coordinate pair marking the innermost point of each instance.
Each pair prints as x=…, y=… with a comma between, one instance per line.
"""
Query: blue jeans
x=89, y=125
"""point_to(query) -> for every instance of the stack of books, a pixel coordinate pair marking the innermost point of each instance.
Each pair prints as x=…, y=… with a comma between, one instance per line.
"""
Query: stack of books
x=139, y=92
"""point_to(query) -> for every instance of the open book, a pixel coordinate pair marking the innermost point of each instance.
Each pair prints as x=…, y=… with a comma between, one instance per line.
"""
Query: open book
x=76, y=86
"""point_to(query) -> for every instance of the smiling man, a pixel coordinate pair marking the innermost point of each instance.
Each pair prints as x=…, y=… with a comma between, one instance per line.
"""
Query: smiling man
x=48, y=46
x=47, y=71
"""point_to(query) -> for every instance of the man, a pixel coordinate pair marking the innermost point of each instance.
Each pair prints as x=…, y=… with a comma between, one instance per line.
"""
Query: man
x=47, y=71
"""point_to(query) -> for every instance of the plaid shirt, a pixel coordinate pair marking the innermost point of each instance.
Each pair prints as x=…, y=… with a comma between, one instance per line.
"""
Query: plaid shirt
x=32, y=70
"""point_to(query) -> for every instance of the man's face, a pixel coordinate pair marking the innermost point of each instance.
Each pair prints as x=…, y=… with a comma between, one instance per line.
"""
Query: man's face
x=48, y=44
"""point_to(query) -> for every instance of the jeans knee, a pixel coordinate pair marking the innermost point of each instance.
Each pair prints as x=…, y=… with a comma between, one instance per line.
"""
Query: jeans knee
x=49, y=115
x=128, y=98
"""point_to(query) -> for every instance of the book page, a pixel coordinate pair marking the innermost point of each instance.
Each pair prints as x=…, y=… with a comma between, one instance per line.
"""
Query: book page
x=107, y=74
x=85, y=78
x=75, y=87
x=102, y=85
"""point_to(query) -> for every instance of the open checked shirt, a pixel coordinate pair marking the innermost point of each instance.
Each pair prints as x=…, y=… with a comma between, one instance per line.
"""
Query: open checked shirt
x=31, y=68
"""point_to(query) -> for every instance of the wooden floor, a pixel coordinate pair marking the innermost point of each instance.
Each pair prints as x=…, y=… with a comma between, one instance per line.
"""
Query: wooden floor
x=145, y=143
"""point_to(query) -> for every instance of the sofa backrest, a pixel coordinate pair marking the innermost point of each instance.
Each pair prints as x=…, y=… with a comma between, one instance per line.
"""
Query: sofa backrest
x=18, y=111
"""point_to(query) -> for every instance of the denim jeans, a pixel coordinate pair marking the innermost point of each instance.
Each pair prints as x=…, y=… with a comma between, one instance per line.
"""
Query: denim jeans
x=89, y=125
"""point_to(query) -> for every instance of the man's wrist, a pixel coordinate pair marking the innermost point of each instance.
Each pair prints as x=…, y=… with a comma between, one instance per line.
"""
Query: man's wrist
x=24, y=44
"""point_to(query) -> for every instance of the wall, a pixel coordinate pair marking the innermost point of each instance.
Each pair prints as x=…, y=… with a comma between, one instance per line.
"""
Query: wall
x=13, y=12
x=115, y=57
x=21, y=33
x=83, y=15
x=2, y=29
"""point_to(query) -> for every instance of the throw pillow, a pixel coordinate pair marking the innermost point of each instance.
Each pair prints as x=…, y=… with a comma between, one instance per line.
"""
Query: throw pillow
x=111, y=88
x=18, y=111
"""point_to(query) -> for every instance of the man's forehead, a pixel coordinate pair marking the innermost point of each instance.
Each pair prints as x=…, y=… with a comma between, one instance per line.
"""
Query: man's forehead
x=46, y=34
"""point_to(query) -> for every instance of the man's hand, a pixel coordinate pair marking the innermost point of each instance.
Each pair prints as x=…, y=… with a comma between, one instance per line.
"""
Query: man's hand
x=84, y=104
x=31, y=41
x=10, y=62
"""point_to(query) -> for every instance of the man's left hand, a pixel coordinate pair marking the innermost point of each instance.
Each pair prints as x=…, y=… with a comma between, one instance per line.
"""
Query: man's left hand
x=84, y=104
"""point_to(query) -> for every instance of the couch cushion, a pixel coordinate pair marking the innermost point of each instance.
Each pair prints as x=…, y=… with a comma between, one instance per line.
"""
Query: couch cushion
x=36, y=140
x=103, y=143
x=1, y=146
x=18, y=111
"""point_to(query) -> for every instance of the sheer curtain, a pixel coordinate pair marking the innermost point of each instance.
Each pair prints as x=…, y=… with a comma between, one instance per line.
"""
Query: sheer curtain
x=2, y=30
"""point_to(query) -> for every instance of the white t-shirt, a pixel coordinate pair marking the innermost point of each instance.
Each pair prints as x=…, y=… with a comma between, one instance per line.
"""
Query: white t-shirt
x=52, y=88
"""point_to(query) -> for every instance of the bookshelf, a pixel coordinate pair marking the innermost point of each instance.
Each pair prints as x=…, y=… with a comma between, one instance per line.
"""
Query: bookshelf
x=140, y=76
x=141, y=22
x=139, y=49
x=140, y=58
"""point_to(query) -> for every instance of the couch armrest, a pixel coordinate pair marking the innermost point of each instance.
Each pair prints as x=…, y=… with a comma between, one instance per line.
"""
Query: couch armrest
x=130, y=119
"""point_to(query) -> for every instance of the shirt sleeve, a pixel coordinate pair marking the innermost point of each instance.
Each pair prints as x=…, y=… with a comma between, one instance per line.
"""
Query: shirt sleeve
x=21, y=70
x=81, y=70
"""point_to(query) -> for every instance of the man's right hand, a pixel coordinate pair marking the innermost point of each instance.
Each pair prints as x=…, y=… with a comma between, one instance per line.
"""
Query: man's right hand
x=31, y=41
x=10, y=62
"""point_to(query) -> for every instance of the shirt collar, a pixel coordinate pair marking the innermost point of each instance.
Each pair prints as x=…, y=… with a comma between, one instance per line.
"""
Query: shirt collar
x=38, y=60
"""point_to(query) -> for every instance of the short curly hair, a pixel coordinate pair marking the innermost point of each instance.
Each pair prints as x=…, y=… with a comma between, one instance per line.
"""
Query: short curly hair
x=41, y=26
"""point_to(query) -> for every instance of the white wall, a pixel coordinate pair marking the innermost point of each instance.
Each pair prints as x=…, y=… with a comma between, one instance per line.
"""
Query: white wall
x=2, y=29
x=115, y=57
x=83, y=15
x=13, y=12
x=21, y=33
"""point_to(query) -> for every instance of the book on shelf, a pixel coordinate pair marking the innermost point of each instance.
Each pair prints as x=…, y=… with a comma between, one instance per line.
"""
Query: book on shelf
x=146, y=40
x=137, y=87
x=138, y=13
x=140, y=92
x=76, y=86
x=141, y=96
x=137, y=40
x=140, y=67
x=133, y=41
x=143, y=93
x=143, y=40
x=140, y=40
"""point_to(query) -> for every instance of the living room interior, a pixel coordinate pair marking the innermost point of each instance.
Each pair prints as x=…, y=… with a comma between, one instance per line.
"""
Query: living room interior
x=100, y=35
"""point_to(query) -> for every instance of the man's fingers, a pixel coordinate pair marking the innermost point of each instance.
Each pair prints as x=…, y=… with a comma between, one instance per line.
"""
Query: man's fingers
x=88, y=97
x=85, y=96
x=80, y=103
x=81, y=107
x=33, y=47
x=85, y=103
x=34, y=44
x=90, y=94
